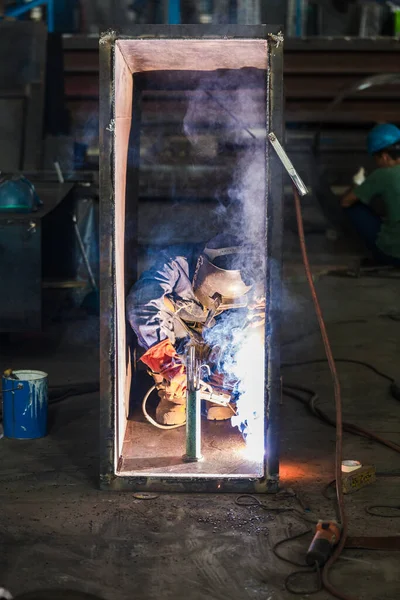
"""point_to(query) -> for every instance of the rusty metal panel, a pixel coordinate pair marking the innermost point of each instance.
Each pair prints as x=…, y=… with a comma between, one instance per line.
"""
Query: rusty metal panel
x=107, y=275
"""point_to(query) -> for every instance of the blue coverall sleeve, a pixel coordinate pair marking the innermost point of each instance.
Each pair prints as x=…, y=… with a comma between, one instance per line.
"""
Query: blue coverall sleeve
x=146, y=311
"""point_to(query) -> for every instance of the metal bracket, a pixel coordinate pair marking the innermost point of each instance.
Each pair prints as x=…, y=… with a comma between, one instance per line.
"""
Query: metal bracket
x=108, y=37
x=111, y=126
x=278, y=38
x=285, y=160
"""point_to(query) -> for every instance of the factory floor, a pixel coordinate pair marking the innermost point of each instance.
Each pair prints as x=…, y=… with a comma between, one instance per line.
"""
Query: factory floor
x=59, y=531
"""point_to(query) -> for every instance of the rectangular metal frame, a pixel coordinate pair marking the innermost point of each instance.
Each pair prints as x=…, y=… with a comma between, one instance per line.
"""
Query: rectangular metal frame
x=108, y=332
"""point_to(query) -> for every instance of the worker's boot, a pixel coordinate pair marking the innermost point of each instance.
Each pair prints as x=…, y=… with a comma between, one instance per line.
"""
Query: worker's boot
x=216, y=412
x=171, y=409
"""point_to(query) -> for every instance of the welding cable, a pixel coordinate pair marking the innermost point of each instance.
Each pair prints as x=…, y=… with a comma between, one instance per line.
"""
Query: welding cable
x=249, y=500
x=388, y=507
x=290, y=389
x=339, y=360
x=59, y=393
x=305, y=568
x=338, y=406
x=394, y=387
x=370, y=510
x=62, y=392
x=149, y=418
x=158, y=425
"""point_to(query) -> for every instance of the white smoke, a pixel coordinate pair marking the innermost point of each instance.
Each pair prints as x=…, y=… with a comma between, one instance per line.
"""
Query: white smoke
x=232, y=105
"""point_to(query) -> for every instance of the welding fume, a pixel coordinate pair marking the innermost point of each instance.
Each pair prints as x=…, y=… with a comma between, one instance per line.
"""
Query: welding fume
x=208, y=300
x=199, y=311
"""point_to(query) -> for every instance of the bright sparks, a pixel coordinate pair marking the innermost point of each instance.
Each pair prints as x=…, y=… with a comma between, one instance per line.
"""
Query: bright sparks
x=249, y=370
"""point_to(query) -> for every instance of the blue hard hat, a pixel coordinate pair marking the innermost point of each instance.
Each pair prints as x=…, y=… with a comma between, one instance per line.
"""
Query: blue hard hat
x=17, y=194
x=382, y=136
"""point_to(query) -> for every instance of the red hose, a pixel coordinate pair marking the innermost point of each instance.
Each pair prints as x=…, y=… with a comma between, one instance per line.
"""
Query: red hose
x=338, y=404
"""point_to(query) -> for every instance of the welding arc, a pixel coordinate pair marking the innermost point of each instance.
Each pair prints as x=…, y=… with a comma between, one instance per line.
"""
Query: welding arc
x=338, y=406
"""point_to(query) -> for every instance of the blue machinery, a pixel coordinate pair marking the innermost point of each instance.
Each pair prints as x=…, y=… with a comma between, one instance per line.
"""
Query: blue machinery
x=17, y=11
x=173, y=11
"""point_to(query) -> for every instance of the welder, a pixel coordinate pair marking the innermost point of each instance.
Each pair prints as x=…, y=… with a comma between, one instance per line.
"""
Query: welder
x=381, y=235
x=181, y=295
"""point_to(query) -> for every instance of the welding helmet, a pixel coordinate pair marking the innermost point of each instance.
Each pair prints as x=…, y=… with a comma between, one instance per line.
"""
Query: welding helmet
x=382, y=136
x=220, y=282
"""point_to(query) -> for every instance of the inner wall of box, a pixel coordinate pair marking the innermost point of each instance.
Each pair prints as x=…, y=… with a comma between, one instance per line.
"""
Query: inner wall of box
x=182, y=65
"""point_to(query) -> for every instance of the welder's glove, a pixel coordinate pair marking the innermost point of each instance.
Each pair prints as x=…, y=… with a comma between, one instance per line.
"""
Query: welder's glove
x=164, y=360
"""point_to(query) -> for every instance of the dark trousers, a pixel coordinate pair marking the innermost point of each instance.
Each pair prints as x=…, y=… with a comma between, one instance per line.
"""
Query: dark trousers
x=368, y=224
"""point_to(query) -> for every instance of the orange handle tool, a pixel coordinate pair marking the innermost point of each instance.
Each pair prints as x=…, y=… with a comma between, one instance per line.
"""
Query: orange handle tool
x=326, y=537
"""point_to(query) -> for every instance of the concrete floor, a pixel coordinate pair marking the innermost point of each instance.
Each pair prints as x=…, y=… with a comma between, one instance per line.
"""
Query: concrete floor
x=58, y=530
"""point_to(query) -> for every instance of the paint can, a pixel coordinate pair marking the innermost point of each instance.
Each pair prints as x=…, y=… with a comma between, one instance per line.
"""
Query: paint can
x=25, y=403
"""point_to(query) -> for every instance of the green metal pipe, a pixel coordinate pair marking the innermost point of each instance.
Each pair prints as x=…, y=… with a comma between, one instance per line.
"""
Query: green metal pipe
x=193, y=426
x=193, y=407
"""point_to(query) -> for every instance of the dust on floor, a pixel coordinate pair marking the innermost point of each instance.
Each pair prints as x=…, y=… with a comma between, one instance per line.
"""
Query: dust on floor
x=59, y=530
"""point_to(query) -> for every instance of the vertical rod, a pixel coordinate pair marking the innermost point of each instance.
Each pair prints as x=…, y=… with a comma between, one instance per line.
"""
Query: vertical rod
x=193, y=408
x=193, y=426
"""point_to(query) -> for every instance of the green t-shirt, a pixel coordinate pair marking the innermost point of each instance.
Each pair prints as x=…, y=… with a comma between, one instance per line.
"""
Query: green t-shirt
x=385, y=183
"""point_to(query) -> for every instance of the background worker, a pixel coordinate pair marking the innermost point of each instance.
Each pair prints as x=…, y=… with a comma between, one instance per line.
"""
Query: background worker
x=175, y=299
x=381, y=235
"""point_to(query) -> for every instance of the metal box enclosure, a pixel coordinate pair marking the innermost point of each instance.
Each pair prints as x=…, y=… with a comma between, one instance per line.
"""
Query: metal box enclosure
x=172, y=49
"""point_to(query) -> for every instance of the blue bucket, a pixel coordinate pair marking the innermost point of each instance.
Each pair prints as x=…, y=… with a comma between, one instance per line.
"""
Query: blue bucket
x=25, y=405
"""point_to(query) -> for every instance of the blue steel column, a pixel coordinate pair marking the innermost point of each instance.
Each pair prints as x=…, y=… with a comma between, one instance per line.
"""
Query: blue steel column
x=174, y=12
x=50, y=16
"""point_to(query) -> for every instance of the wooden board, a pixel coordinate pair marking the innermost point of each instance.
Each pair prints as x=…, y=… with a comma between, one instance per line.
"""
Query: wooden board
x=193, y=55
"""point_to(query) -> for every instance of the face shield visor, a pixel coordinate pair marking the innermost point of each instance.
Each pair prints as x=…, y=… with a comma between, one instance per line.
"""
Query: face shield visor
x=216, y=288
